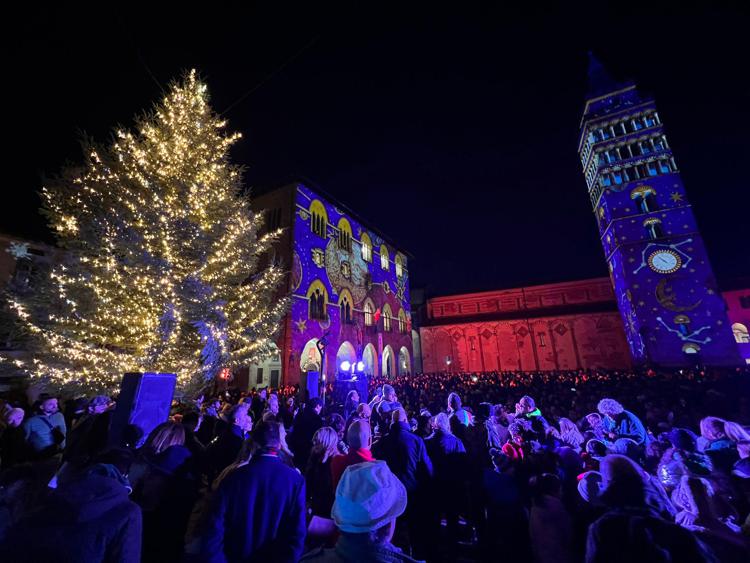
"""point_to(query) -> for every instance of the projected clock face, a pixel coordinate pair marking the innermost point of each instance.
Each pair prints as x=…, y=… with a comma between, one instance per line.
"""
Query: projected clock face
x=664, y=261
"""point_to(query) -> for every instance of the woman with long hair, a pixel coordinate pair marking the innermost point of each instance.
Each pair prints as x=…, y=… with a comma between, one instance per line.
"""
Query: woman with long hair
x=569, y=434
x=318, y=476
x=165, y=485
x=351, y=403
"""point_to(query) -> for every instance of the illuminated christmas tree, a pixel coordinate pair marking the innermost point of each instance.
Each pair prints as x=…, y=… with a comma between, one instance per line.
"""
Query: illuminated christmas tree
x=163, y=260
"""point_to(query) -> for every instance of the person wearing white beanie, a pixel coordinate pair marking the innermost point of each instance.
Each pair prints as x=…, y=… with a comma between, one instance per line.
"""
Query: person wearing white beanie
x=369, y=498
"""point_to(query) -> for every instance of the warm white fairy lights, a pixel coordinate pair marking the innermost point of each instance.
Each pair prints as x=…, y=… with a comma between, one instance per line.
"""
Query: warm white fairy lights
x=162, y=257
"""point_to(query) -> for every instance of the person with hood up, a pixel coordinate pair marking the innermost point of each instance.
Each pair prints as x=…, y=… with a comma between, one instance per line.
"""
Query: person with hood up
x=683, y=458
x=89, y=518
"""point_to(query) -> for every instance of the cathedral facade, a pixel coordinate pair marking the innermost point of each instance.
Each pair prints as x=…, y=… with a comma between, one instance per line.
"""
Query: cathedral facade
x=672, y=312
x=558, y=326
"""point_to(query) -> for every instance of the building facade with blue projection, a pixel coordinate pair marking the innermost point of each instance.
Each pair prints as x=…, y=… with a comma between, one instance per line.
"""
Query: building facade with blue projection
x=349, y=286
x=672, y=311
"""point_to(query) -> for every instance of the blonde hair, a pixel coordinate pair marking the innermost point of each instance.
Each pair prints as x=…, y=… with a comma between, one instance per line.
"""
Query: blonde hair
x=165, y=435
x=569, y=433
x=325, y=443
x=440, y=422
x=609, y=407
x=735, y=432
x=712, y=428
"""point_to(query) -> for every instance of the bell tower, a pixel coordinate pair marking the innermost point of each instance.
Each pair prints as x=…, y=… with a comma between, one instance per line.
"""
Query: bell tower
x=666, y=291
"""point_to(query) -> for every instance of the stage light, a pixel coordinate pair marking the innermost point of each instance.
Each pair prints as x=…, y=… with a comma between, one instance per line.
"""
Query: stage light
x=346, y=365
x=474, y=378
x=360, y=366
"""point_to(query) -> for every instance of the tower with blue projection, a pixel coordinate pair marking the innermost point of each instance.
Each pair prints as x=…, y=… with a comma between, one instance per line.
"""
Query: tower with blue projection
x=671, y=308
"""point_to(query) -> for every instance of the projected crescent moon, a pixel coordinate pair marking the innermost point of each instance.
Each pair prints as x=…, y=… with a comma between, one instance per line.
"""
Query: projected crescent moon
x=666, y=298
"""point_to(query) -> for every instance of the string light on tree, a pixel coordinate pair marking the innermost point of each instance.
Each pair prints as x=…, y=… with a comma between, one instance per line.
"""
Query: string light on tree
x=162, y=263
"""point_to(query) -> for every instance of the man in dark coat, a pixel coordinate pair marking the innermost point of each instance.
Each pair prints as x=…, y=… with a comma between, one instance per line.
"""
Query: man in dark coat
x=88, y=518
x=448, y=456
x=207, y=430
x=306, y=424
x=259, y=403
x=224, y=449
x=258, y=510
x=406, y=456
x=385, y=408
x=13, y=447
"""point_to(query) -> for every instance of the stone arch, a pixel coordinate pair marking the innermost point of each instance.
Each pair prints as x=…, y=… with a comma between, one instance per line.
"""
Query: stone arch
x=346, y=352
x=404, y=361
x=370, y=359
x=389, y=362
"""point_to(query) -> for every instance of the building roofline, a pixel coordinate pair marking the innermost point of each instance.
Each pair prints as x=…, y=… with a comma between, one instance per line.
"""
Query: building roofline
x=306, y=182
x=568, y=310
x=525, y=288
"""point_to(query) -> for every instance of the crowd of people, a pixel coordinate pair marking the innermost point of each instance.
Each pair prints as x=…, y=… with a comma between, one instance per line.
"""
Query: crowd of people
x=542, y=467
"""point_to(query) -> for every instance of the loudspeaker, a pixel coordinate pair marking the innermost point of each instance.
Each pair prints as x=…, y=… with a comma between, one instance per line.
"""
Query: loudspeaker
x=311, y=380
x=145, y=400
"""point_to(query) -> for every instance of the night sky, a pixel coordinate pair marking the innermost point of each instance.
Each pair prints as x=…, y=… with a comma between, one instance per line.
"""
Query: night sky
x=453, y=133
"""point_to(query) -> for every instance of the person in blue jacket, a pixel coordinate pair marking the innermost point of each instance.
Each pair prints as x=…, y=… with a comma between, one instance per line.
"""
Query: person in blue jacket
x=619, y=423
x=258, y=510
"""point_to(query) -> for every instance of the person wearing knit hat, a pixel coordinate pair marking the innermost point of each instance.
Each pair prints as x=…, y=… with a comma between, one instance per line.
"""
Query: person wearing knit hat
x=369, y=498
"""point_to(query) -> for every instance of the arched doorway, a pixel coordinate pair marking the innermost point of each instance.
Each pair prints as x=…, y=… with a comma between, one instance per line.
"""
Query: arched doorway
x=404, y=361
x=345, y=353
x=370, y=359
x=389, y=362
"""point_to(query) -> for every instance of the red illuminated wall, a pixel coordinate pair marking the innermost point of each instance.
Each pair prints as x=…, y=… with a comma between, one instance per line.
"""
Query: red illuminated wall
x=556, y=326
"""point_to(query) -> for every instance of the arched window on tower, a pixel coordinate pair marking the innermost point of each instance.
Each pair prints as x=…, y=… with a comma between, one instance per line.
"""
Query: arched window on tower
x=345, y=309
x=654, y=227
x=369, y=310
x=385, y=261
x=741, y=335
x=317, y=296
x=644, y=198
x=387, y=316
x=345, y=235
x=401, y=321
x=318, y=218
x=366, y=245
x=399, y=262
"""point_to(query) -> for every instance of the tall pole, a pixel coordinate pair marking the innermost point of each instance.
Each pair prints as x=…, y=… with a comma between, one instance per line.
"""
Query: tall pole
x=321, y=345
